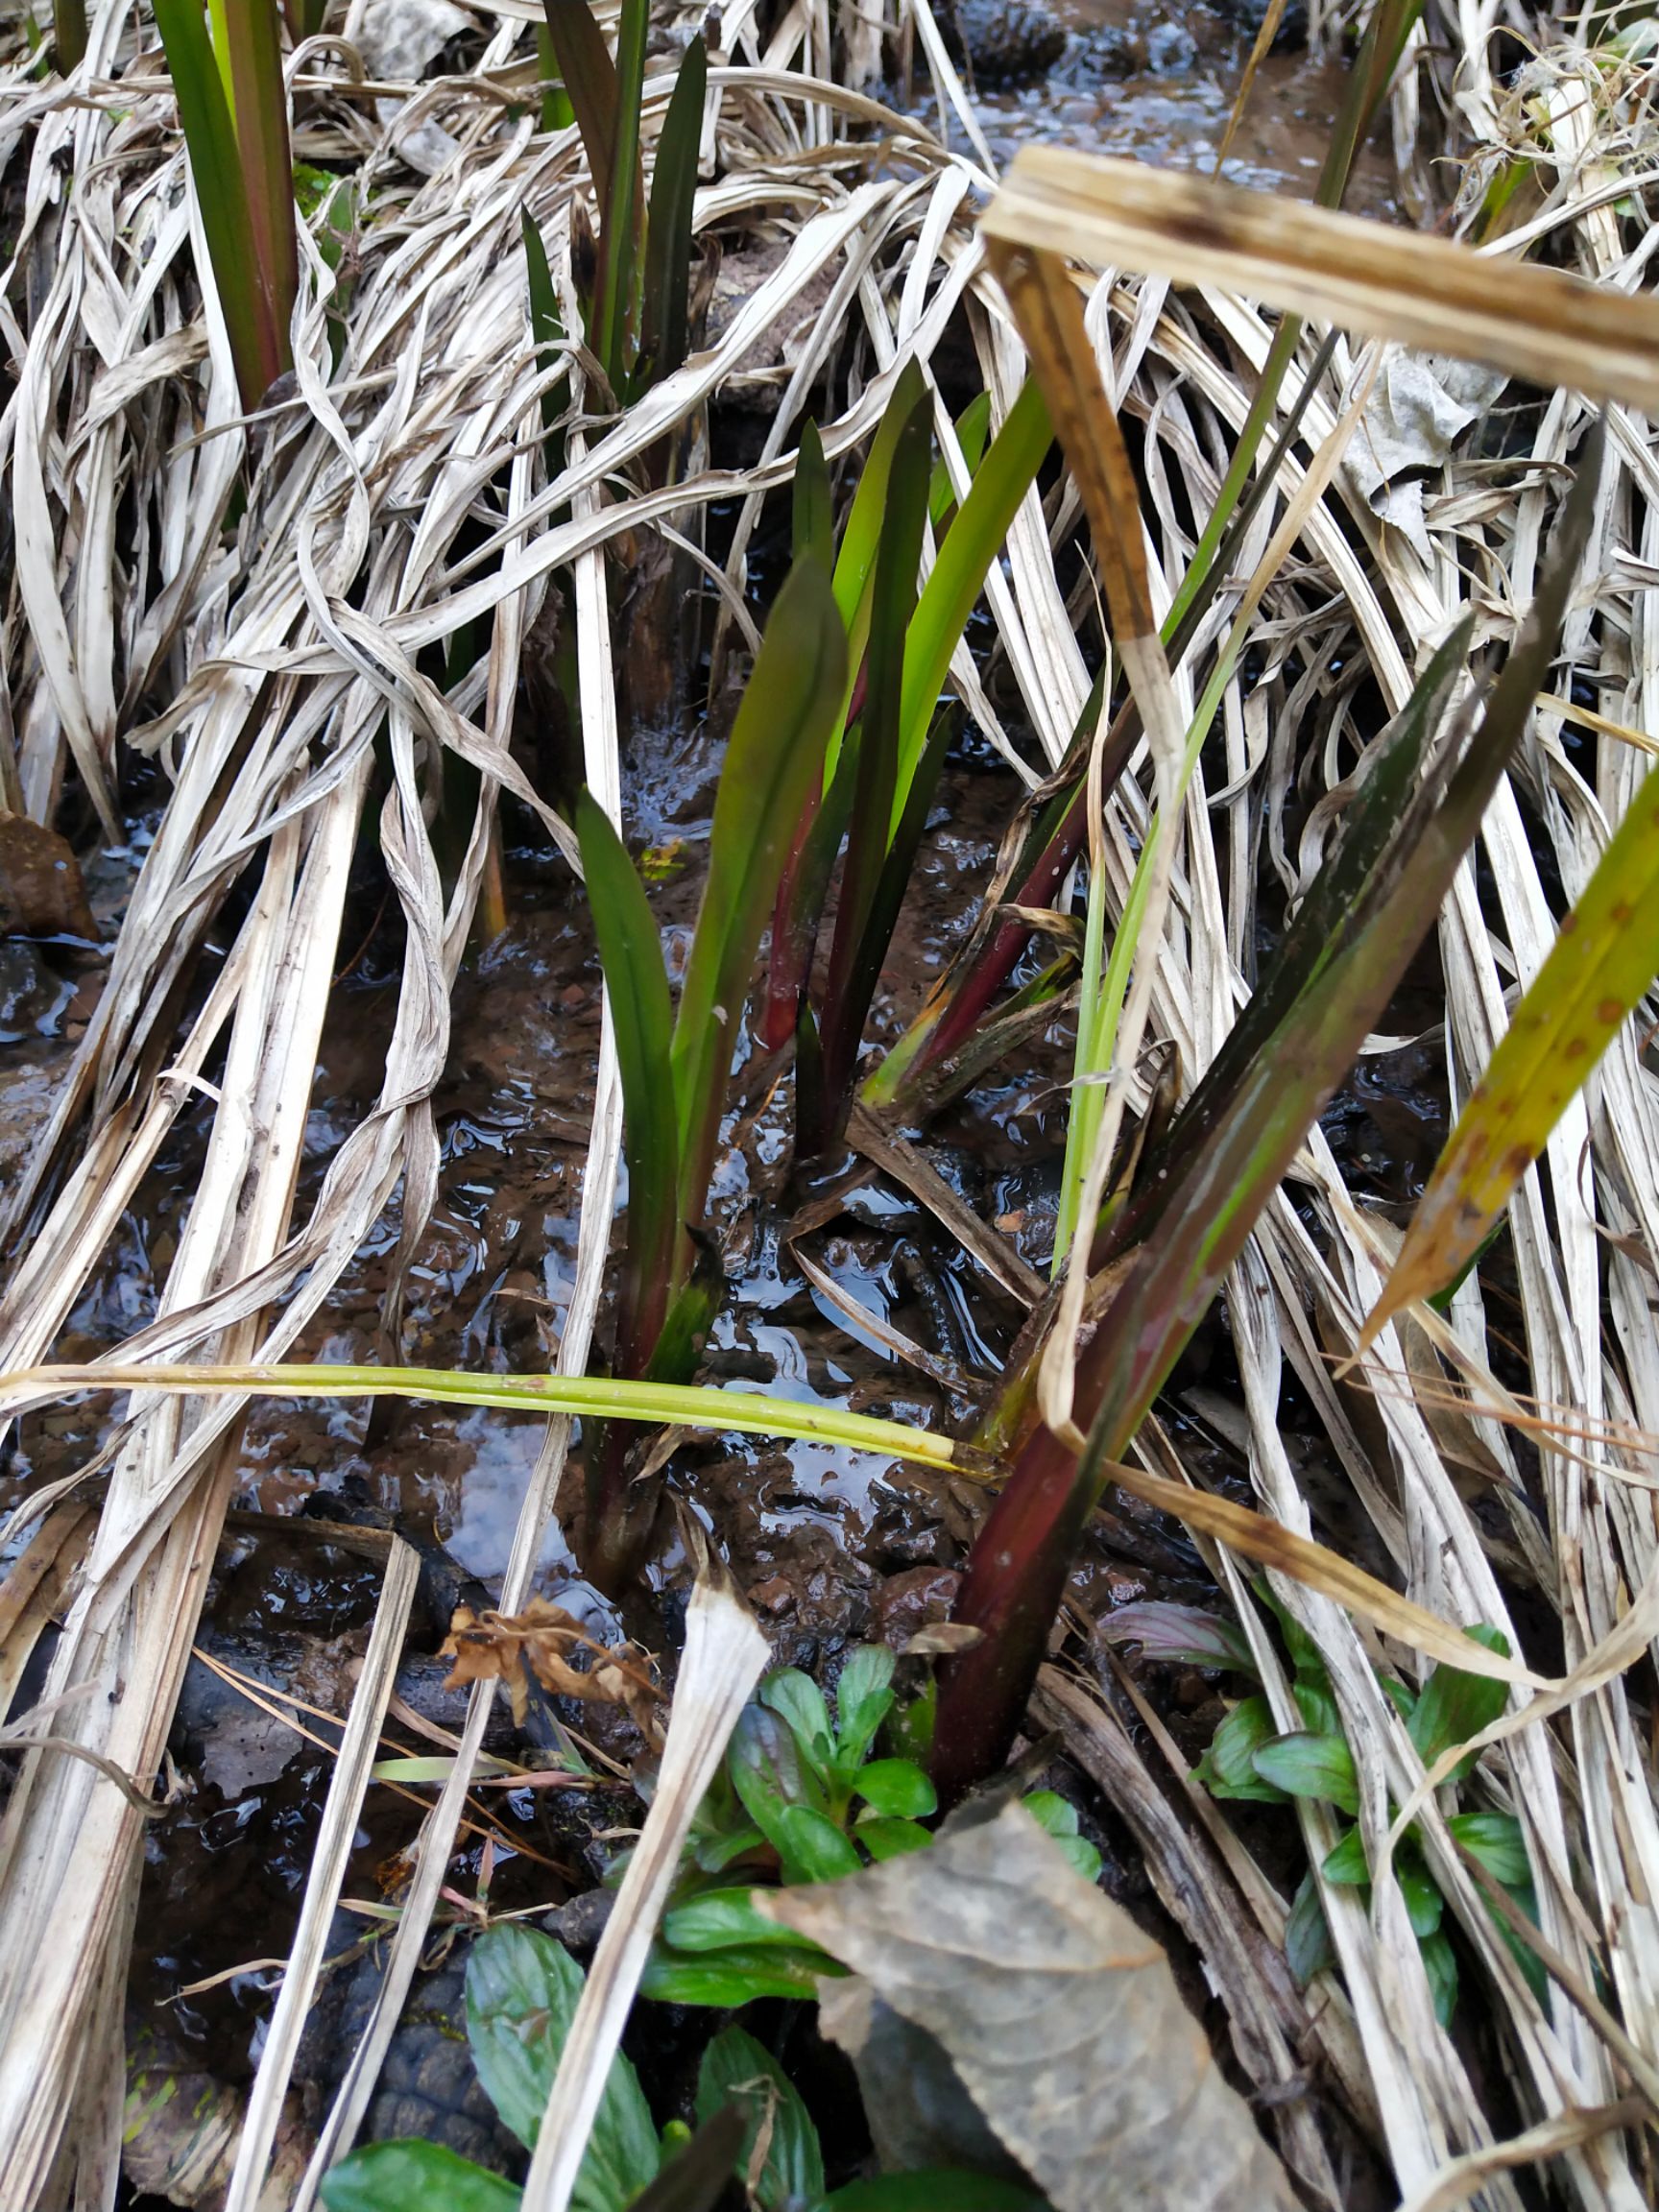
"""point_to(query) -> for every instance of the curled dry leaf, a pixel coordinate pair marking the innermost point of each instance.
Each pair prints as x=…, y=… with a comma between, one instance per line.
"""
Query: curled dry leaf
x=542, y=1641
x=1060, y=2016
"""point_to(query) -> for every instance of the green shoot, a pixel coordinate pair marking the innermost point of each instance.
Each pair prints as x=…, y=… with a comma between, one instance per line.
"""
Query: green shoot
x=803, y=1795
x=1251, y=1759
x=638, y=314
x=674, y=1075
x=1215, y=1187
x=69, y=33
x=232, y=106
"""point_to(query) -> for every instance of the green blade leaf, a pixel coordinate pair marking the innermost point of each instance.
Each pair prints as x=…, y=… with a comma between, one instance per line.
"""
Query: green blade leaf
x=1308, y=1946
x=975, y=537
x=740, y=2071
x=631, y=955
x=1057, y=1816
x=862, y=535
x=885, y=1839
x=1346, y=1863
x=972, y=429
x=1328, y=920
x=1440, y=1963
x=623, y=190
x=732, y=1977
x=1425, y=1907
x=410, y=2176
x=812, y=1847
x=812, y=517
x=863, y=1699
x=221, y=193
x=1228, y=1768
x=851, y=981
x=259, y=113
x=1054, y=1815
x=664, y=327
x=523, y=1990
x=1496, y=1840
x=768, y=1771
x=589, y=1397
x=1604, y=960
x=855, y=986
x=1171, y=1635
x=862, y=532
x=714, y=1853
x=775, y=750
x=69, y=33
x=798, y=1700
x=590, y=85
x=546, y=327
x=589, y=76
x=724, y=1920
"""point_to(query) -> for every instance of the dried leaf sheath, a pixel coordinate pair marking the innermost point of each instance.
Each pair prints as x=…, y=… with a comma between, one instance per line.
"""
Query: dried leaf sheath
x=1541, y=323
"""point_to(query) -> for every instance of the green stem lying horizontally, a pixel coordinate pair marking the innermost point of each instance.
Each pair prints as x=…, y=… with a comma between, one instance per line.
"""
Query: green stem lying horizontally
x=587, y=1396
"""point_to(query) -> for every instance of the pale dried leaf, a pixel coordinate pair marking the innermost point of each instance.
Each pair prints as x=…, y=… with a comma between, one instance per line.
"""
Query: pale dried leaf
x=1061, y=2017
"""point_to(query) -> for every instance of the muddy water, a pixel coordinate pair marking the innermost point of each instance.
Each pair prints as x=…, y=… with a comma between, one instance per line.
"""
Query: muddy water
x=1156, y=84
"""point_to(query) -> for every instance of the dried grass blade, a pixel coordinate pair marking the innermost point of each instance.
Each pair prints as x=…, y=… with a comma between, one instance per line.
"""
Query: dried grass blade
x=724, y=1655
x=1540, y=324
x=330, y=1856
x=1258, y=1537
x=1461, y=2179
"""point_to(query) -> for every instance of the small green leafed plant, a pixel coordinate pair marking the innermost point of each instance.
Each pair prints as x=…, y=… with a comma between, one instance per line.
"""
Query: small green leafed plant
x=523, y=1990
x=803, y=1796
x=1250, y=1758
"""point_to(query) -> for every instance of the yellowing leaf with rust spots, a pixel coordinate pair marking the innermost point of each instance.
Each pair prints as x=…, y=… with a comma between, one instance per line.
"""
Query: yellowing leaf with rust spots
x=1604, y=960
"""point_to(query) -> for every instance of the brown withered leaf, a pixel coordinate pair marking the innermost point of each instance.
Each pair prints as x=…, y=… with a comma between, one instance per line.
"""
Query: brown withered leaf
x=1060, y=2016
x=41, y=894
x=541, y=1642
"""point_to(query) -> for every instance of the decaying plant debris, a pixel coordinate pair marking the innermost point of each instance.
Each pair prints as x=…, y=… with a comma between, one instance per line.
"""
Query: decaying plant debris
x=278, y=669
x=539, y=1644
